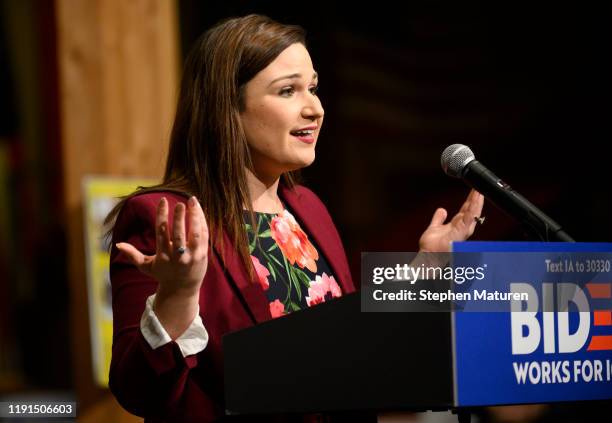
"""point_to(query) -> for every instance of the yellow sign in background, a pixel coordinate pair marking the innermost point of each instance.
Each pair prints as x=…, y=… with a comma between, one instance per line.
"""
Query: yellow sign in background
x=100, y=196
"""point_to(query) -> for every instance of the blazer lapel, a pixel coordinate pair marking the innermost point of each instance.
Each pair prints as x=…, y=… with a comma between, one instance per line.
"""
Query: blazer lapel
x=319, y=230
x=313, y=223
x=253, y=295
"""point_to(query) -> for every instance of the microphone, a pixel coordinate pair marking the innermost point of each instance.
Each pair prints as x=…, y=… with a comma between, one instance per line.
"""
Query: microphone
x=458, y=161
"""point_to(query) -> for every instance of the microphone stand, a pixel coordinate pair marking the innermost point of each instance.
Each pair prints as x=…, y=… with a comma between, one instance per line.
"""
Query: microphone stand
x=513, y=203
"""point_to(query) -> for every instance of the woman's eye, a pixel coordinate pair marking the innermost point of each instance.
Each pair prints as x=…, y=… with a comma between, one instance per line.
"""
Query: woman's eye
x=287, y=91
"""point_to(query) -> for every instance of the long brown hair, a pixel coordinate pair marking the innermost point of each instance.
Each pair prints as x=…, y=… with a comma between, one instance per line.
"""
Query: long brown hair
x=208, y=150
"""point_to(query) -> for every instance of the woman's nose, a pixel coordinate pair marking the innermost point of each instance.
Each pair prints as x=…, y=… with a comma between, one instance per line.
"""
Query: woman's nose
x=313, y=109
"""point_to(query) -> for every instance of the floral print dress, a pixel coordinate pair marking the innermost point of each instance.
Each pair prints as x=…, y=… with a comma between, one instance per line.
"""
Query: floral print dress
x=289, y=268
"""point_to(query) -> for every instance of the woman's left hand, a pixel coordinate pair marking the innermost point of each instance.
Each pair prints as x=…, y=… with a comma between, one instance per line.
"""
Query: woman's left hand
x=439, y=235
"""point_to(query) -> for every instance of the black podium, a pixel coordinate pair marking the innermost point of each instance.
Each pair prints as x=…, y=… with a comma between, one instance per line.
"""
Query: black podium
x=333, y=358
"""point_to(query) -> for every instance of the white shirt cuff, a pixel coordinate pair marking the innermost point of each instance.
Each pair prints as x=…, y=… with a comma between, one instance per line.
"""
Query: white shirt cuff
x=192, y=341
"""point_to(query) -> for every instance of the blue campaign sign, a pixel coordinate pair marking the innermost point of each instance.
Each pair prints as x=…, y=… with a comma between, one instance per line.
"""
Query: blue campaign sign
x=556, y=345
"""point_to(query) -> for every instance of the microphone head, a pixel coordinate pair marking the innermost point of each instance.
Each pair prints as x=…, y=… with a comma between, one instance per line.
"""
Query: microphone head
x=455, y=158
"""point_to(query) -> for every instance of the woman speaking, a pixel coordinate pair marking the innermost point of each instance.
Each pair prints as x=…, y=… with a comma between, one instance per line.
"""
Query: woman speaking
x=229, y=239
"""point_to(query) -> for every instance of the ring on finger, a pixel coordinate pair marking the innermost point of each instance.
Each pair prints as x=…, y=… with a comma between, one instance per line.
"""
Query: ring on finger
x=181, y=249
x=480, y=219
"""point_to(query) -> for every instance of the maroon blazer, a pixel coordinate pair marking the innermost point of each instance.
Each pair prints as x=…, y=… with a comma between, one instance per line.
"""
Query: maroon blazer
x=161, y=384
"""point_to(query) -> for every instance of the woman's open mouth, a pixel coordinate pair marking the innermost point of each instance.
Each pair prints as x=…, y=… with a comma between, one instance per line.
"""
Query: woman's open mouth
x=304, y=135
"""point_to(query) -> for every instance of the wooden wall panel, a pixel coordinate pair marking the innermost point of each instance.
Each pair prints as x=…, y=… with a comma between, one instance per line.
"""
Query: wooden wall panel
x=118, y=77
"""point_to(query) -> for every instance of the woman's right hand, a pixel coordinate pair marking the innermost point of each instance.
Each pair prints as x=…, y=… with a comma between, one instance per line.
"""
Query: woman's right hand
x=179, y=275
